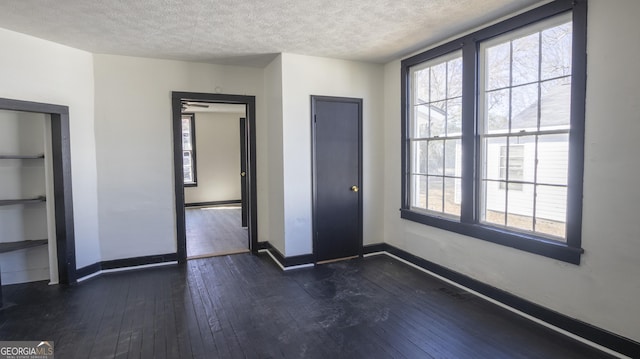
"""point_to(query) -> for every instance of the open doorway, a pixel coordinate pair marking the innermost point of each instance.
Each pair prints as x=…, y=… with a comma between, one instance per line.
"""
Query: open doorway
x=214, y=152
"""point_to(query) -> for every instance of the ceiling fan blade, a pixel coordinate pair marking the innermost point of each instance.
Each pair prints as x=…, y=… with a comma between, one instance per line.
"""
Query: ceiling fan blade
x=190, y=104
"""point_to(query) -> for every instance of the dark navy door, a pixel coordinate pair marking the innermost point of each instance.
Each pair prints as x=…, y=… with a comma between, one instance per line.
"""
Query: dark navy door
x=337, y=175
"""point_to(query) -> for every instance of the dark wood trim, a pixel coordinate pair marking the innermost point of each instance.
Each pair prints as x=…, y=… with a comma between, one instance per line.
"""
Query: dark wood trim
x=470, y=146
x=178, y=172
x=213, y=203
x=243, y=171
x=287, y=261
x=28, y=106
x=576, y=136
x=531, y=244
x=139, y=261
x=299, y=260
x=584, y=330
x=62, y=187
x=89, y=270
x=277, y=255
x=359, y=102
x=65, y=235
x=469, y=223
x=126, y=263
x=251, y=177
x=264, y=245
x=293, y=260
x=250, y=103
x=375, y=248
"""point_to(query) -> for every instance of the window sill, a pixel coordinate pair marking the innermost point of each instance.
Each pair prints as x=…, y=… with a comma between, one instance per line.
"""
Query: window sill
x=531, y=244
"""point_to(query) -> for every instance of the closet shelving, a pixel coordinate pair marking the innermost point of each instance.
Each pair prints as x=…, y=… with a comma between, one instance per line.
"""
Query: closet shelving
x=6, y=247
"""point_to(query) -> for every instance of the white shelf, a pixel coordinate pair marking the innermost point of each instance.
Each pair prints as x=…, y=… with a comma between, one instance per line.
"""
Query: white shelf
x=21, y=157
x=9, y=202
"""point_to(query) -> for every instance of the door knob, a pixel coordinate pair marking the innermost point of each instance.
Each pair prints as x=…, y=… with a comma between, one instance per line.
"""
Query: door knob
x=243, y=173
x=355, y=188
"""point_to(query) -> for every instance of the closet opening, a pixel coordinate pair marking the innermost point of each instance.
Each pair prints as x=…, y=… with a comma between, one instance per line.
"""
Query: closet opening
x=36, y=209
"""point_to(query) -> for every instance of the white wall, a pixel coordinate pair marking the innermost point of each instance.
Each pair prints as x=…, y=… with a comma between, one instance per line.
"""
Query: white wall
x=274, y=168
x=36, y=70
x=604, y=288
x=217, y=158
x=303, y=76
x=135, y=145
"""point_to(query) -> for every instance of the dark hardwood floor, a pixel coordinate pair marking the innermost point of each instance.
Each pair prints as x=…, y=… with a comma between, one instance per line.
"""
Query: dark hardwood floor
x=243, y=306
x=215, y=231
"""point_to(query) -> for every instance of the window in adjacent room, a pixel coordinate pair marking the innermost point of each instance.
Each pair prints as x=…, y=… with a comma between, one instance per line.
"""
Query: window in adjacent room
x=189, y=149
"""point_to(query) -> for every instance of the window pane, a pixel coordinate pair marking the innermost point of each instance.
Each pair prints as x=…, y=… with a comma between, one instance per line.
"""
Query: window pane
x=553, y=159
x=555, y=104
x=420, y=128
x=187, y=166
x=437, y=111
x=497, y=111
x=497, y=66
x=186, y=134
x=556, y=51
x=522, y=160
x=434, y=188
x=419, y=191
x=525, y=59
x=524, y=108
x=551, y=216
x=493, y=157
x=452, y=196
x=520, y=208
x=493, y=204
x=186, y=158
x=454, y=78
x=452, y=158
x=435, y=157
x=419, y=163
x=438, y=82
x=454, y=117
x=421, y=86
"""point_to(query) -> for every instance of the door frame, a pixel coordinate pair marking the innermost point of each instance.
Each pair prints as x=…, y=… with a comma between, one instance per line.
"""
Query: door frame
x=250, y=103
x=243, y=171
x=314, y=180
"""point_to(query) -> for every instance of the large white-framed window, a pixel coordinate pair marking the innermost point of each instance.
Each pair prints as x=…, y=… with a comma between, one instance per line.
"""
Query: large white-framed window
x=493, y=132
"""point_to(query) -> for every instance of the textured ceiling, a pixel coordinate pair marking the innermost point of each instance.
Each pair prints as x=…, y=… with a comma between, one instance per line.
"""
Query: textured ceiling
x=251, y=32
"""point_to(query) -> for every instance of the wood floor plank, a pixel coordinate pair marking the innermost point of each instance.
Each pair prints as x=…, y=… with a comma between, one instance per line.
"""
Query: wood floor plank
x=215, y=231
x=243, y=306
